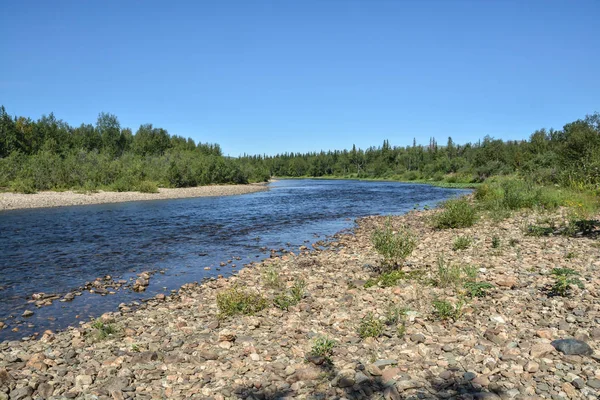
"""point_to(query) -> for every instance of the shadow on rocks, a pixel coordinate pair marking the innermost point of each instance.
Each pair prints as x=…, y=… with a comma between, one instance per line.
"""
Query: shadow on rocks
x=326, y=382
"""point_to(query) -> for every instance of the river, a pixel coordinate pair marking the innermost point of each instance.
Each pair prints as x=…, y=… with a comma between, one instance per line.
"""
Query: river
x=57, y=250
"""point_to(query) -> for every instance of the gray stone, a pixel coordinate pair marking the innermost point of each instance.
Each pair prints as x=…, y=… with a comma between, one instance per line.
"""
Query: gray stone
x=417, y=337
x=594, y=383
x=572, y=347
x=383, y=363
x=469, y=376
x=21, y=393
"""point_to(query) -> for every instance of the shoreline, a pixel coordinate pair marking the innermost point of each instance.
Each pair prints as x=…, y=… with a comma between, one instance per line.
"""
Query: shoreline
x=49, y=199
x=179, y=346
x=442, y=184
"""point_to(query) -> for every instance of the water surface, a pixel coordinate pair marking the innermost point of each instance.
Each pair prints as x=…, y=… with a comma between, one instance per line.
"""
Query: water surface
x=56, y=250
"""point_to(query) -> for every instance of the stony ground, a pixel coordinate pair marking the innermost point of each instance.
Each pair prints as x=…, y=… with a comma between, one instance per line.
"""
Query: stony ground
x=178, y=347
x=13, y=201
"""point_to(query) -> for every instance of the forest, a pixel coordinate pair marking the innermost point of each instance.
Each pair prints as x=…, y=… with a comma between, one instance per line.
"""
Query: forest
x=568, y=157
x=49, y=154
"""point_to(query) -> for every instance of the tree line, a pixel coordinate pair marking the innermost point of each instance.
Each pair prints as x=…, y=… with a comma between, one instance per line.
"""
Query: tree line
x=49, y=154
x=570, y=157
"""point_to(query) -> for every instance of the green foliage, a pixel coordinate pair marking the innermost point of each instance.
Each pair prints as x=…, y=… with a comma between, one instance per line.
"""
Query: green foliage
x=391, y=278
x=394, y=314
x=295, y=295
x=563, y=279
x=477, y=289
x=393, y=246
x=148, y=187
x=271, y=278
x=461, y=243
x=457, y=213
x=25, y=186
x=453, y=276
x=297, y=290
x=445, y=310
x=370, y=326
x=101, y=330
x=323, y=347
x=496, y=241
x=234, y=301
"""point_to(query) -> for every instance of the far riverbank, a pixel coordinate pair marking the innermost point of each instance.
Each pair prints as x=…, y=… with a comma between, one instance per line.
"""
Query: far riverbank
x=14, y=201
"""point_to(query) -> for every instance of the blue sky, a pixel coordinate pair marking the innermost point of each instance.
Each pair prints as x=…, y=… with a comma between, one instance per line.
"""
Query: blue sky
x=276, y=76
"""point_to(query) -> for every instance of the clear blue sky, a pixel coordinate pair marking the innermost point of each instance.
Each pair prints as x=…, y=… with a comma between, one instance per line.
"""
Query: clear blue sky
x=275, y=76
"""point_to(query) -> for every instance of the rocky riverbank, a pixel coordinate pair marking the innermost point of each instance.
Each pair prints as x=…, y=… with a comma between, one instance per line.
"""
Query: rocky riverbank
x=13, y=201
x=498, y=343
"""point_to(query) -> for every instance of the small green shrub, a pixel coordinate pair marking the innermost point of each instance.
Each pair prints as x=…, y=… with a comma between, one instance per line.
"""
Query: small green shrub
x=563, y=279
x=495, y=242
x=394, y=314
x=271, y=278
x=283, y=301
x=296, y=293
x=235, y=301
x=457, y=213
x=461, y=243
x=148, y=187
x=25, y=186
x=451, y=275
x=477, y=289
x=323, y=347
x=445, y=310
x=370, y=327
x=391, y=278
x=298, y=290
x=101, y=330
x=394, y=247
x=539, y=231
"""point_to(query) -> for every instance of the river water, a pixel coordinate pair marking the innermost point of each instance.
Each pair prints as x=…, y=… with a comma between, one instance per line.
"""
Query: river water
x=57, y=250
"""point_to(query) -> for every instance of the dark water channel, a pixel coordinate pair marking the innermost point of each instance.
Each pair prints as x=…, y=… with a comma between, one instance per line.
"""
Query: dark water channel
x=57, y=250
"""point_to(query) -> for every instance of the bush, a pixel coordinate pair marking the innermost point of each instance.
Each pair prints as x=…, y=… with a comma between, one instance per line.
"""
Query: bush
x=101, y=331
x=453, y=275
x=26, y=186
x=445, y=310
x=148, y=187
x=296, y=293
x=457, y=213
x=235, y=301
x=271, y=278
x=323, y=347
x=461, y=243
x=370, y=326
x=563, y=279
x=393, y=246
x=495, y=242
x=477, y=289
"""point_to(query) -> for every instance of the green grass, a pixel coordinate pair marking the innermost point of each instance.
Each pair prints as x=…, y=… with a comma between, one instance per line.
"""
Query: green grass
x=477, y=289
x=445, y=310
x=392, y=278
x=393, y=245
x=271, y=278
x=507, y=194
x=461, y=243
x=286, y=300
x=456, y=213
x=101, y=330
x=563, y=279
x=234, y=301
x=452, y=275
x=370, y=327
x=323, y=347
